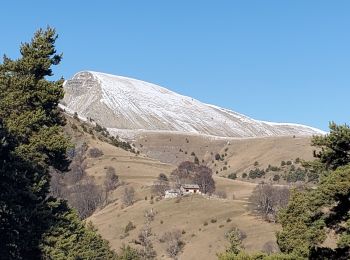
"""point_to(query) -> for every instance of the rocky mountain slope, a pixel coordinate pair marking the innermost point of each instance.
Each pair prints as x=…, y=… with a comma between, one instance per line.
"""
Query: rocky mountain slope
x=127, y=106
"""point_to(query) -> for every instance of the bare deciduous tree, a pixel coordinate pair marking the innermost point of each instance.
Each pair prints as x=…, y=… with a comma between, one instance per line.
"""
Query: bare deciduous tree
x=149, y=215
x=174, y=243
x=147, y=251
x=56, y=184
x=77, y=166
x=128, y=197
x=111, y=180
x=76, y=173
x=159, y=187
x=80, y=190
x=268, y=199
x=203, y=177
x=189, y=172
x=85, y=197
x=184, y=171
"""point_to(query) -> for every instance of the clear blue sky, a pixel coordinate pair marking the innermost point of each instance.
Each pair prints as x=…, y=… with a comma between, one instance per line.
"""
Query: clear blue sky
x=283, y=61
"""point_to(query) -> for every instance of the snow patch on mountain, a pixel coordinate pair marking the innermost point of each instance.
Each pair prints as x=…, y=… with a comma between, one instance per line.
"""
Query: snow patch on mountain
x=128, y=104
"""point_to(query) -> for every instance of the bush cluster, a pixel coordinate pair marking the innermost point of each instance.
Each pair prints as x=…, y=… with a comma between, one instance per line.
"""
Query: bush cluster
x=256, y=173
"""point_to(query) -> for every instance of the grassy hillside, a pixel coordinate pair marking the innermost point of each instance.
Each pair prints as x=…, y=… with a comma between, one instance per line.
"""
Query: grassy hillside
x=236, y=155
x=194, y=217
x=202, y=222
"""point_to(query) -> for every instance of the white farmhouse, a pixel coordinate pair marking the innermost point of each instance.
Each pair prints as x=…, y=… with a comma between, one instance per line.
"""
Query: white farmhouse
x=190, y=189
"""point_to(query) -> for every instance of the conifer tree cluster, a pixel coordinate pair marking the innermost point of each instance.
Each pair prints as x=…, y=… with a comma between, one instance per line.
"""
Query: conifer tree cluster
x=34, y=225
x=312, y=213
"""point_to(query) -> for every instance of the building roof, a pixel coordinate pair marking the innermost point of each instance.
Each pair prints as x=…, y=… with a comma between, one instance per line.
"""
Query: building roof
x=190, y=186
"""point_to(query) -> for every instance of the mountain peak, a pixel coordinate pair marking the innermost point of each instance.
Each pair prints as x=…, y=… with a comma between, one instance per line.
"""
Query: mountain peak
x=127, y=104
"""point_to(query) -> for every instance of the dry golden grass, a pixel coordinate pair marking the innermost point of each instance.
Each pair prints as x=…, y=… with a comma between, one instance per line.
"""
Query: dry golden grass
x=190, y=213
x=241, y=154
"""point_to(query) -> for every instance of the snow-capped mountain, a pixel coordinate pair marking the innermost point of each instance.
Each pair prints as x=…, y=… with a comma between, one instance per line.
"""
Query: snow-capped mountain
x=129, y=105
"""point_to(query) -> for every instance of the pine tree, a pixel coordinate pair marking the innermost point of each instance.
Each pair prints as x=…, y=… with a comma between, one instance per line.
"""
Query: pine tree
x=300, y=233
x=33, y=225
x=310, y=213
x=334, y=147
x=69, y=238
x=28, y=109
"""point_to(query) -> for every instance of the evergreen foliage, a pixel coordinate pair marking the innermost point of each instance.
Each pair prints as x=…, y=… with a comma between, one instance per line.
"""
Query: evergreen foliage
x=235, y=237
x=128, y=253
x=299, y=232
x=311, y=213
x=335, y=146
x=32, y=224
x=296, y=175
x=69, y=238
x=28, y=110
x=232, y=176
x=256, y=173
x=258, y=256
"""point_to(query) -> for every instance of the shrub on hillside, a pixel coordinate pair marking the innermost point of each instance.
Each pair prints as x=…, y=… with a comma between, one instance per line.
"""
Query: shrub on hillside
x=75, y=116
x=276, y=177
x=128, y=196
x=128, y=253
x=232, y=176
x=272, y=168
x=235, y=236
x=162, y=177
x=312, y=176
x=297, y=175
x=256, y=173
x=196, y=160
x=130, y=226
x=95, y=152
